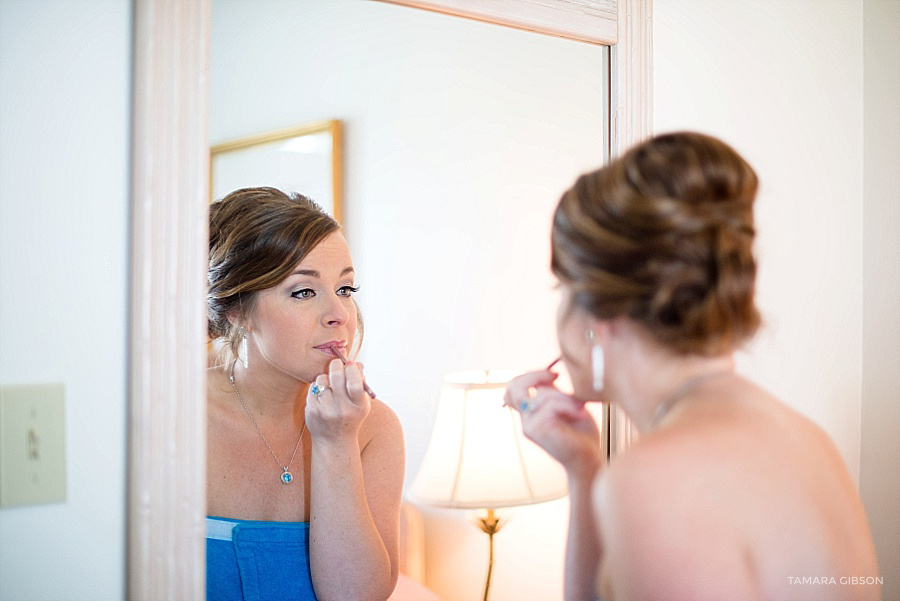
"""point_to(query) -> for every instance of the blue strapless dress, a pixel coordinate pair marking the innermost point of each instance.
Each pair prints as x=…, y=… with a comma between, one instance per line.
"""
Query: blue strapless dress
x=257, y=561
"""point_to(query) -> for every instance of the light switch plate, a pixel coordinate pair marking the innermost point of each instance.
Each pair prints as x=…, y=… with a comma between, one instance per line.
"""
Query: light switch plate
x=32, y=445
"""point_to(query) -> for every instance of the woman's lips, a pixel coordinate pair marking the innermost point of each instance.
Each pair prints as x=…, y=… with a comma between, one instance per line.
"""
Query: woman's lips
x=327, y=347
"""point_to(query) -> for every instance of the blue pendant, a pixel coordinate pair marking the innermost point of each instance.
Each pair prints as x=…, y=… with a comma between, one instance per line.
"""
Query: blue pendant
x=287, y=477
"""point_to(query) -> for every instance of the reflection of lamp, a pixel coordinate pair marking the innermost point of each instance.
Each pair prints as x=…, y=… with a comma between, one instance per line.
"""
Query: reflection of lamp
x=478, y=457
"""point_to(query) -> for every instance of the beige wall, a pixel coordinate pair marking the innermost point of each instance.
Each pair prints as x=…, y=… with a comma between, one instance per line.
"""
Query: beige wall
x=880, y=465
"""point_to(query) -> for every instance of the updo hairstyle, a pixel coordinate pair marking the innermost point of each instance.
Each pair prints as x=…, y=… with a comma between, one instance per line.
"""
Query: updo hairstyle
x=663, y=235
x=257, y=236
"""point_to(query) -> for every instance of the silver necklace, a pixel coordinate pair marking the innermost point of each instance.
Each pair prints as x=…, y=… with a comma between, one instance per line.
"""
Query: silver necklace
x=682, y=390
x=286, y=476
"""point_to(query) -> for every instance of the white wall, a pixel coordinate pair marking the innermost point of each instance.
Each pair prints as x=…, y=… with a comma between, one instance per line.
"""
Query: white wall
x=807, y=90
x=880, y=469
x=459, y=139
x=782, y=81
x=64, y=148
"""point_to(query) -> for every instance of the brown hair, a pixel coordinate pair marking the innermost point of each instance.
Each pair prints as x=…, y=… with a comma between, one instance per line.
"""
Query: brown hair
x=663, y=235
x=256, y=238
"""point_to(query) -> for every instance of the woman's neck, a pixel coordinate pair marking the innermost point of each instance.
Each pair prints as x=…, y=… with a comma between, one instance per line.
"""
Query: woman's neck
x=652, y=382
x=268, y=393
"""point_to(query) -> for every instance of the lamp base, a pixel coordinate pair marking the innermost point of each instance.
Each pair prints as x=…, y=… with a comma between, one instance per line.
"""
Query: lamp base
x=490, y=525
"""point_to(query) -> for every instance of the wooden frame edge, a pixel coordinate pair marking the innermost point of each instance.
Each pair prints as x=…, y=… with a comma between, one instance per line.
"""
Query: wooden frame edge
x=632, y=116
x=166, y=493
x=558, y=18
x=273, y=136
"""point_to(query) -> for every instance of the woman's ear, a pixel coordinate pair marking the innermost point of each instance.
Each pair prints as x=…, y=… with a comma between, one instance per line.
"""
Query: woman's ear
x=599, y=330
x=234, y=318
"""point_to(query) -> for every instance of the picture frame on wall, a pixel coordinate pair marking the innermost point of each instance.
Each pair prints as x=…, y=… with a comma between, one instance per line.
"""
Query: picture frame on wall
x=306, y=159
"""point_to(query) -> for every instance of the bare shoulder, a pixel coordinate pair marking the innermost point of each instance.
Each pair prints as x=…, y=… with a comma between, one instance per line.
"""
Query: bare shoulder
x=654, y=461
x=383, y=456
x=628, y=490
x=674, y=505
x=381, y=426
x=698, y=456
x=645, y=487
x=656, y=516
x=739, y=492
x=382, y=416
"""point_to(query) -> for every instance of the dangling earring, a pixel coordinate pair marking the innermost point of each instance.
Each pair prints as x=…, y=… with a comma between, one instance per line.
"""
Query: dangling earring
x=360, y=334
x=243, y=350
x=598, y=362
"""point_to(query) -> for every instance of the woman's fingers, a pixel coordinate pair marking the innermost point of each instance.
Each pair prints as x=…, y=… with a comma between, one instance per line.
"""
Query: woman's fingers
x=551, y=402
x=336, y=375
x=563, y=427
x=317, y=390
x=560, y=408
x=521, y=388
x=355, y=387
x=347, y=381
x=337, y=404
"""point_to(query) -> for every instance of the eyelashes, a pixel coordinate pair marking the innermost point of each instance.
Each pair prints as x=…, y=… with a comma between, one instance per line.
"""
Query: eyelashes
x=307, y=293
x=303, y=293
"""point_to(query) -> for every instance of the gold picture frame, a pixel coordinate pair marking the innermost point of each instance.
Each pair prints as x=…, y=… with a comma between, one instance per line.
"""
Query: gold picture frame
x=307, y=159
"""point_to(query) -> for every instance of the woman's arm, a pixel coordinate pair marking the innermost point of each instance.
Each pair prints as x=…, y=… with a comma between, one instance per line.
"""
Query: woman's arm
x=563, y=427
x=583, y=549
x=355, y=492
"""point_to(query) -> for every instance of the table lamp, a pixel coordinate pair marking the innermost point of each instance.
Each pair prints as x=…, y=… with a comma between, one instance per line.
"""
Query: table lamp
x=478, y=458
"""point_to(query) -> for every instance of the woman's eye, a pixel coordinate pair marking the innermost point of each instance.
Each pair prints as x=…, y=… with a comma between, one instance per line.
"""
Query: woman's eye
x=347, y=290
x=303, y=294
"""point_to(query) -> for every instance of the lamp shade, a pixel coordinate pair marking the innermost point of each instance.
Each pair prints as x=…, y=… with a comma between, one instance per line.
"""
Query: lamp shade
x=478, y=456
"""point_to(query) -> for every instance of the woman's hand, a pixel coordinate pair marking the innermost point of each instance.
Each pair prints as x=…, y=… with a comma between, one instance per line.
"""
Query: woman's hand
x=336, y=414
x=356, y=486
x=558, y=423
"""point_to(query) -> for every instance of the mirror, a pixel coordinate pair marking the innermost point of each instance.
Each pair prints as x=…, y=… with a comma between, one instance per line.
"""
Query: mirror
x=459, y=138
x=304, y=158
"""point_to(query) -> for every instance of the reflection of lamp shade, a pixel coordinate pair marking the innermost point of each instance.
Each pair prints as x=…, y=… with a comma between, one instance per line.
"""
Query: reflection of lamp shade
x=478, y=456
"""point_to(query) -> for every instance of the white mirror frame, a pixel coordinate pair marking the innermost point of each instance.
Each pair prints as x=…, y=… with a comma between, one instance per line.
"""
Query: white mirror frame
x=170, y=190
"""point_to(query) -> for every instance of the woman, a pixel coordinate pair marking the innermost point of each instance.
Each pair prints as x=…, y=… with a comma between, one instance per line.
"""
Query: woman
x=305, y=468
x=728, y=493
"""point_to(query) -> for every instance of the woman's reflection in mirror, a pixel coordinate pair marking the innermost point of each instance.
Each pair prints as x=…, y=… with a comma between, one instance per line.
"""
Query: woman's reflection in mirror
x=305, y=469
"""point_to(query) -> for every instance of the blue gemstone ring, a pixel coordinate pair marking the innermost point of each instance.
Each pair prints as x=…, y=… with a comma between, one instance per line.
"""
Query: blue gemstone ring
x=318, y=390
x=524, y=406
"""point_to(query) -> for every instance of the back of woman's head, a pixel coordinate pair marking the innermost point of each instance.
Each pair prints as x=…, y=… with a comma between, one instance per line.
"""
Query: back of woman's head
x=257, y=236
x=663, y=235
